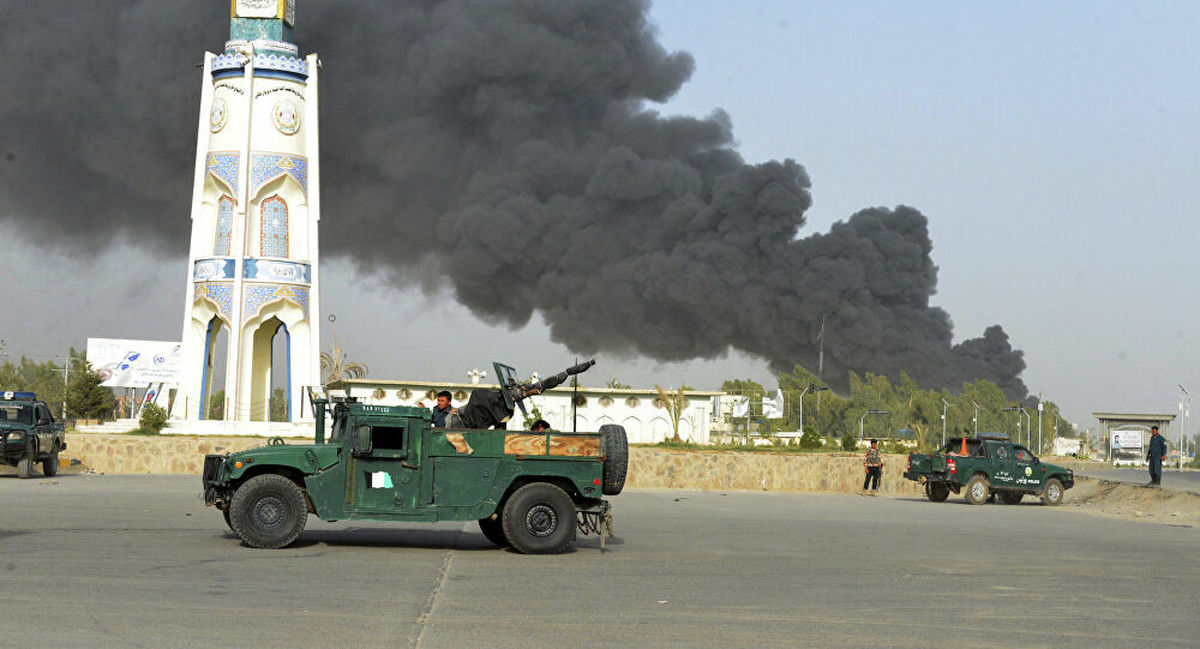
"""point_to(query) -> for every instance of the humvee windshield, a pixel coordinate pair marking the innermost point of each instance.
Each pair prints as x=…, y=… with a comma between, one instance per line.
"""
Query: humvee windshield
x=17, y=414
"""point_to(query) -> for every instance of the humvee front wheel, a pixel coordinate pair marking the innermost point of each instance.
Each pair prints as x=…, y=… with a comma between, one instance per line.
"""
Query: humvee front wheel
x=978, y=489
x=616, y=459
x=493, y=530
x=268, y=511
x=1053, y=493
x=539, y=518
x=937, y=492
x=25, y=467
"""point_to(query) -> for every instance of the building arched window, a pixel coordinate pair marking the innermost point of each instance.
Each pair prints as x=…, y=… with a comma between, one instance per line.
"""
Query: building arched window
x=224, y=227
x=273, y=227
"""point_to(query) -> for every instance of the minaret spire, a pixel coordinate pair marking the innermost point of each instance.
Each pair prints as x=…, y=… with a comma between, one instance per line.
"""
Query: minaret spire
x=253, y=20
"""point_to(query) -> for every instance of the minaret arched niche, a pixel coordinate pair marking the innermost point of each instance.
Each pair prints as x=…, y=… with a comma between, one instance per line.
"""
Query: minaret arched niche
x=278, y=321
x=278, y=224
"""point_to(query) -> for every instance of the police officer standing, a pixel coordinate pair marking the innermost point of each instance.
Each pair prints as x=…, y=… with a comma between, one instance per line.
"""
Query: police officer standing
x=1158, y=449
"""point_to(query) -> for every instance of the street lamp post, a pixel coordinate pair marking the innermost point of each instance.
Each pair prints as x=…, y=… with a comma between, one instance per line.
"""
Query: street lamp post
x=1028, y=423
x=802, y=393
x=1028, y=429
x=864, y=417
x=944, y=406
x=1185, y=409
x=1040, y=407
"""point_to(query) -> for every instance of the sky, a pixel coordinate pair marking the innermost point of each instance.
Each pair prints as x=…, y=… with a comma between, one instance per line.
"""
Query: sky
x=1051, y=145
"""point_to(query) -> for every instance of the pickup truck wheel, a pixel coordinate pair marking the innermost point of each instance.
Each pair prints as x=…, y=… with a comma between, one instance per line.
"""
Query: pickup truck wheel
x=25, y=467
x=539, y=518
x=50, y=466
x=1012, y=497
x=494, y=531
x=268, y=511
x=1053, y=493
x=616, y=459
x=977, y=489
x=937, y=492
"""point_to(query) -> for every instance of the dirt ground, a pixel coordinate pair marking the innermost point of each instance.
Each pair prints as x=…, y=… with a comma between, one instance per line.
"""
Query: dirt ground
x=1134, y=502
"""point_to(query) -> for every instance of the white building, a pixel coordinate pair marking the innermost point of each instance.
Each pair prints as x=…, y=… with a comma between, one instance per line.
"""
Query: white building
x=252, y=270
x=640, y=411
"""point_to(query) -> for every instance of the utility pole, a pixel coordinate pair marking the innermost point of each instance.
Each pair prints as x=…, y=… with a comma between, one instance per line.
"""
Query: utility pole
x=976, y=417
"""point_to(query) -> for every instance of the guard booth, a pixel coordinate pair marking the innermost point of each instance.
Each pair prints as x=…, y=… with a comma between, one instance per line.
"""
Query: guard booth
x=1127, y=434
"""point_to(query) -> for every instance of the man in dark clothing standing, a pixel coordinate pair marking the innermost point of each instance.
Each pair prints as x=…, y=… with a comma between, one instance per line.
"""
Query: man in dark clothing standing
x=1158, y=449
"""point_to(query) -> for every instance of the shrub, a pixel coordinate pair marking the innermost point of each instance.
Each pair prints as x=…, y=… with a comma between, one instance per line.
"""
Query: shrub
x=152, y=420
x=810, y=438
x=849, y=442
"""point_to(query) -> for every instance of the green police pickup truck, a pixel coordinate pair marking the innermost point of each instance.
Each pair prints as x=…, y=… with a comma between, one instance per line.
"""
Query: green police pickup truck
x=28, y=434
x=987, y=466
x=530, y=491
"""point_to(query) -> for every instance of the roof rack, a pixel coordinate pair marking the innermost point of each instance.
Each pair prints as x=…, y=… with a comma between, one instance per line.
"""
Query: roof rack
x=1000, y=437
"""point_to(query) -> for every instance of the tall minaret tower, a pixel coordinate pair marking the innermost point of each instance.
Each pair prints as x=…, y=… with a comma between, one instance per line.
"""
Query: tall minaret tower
x=252, y=270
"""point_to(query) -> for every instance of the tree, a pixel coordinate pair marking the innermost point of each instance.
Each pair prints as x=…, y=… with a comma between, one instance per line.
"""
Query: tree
x=86, y=398
x=279, y=405
x=152, y=419
x=216, y=405
x=742, y=386
x=531, y=417
x=674, y=403
x=614, y=384
x=336, y=365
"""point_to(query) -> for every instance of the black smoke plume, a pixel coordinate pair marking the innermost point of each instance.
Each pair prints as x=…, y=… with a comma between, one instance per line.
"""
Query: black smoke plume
x=505, y=145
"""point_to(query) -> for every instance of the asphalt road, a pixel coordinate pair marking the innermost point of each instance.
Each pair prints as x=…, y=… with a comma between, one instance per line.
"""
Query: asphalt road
x=1186, y=480
x=138, y=561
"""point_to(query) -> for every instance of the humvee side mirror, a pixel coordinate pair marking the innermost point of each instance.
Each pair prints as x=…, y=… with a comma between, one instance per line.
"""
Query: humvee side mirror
x=361, y=443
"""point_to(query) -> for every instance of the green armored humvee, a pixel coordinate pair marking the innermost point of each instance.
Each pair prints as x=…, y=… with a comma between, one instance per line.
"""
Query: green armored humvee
x=388, y=463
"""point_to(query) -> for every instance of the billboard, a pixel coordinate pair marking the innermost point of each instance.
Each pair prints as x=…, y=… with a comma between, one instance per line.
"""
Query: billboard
x=1127, y=440
x=134, y=363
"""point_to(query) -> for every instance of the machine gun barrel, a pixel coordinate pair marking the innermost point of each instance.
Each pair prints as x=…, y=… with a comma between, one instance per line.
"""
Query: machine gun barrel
x=526, y=390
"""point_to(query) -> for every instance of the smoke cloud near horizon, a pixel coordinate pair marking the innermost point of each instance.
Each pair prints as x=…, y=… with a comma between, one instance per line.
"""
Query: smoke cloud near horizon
x=505, y=148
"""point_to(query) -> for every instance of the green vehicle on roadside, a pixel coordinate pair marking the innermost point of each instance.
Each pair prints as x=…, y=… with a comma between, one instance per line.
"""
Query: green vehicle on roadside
x=28, y=434
x=530, y=491
x=985, y=467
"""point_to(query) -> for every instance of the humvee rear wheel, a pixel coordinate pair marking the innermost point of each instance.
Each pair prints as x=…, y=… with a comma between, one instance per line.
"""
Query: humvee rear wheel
x=539, y=518
x=978, y=489
x=1053, y=493
x=25, y=468
x=494, y=531
x=268, y=511
x=50, y=466
x=937, y=492
x=1012, y=497
x=616, y=459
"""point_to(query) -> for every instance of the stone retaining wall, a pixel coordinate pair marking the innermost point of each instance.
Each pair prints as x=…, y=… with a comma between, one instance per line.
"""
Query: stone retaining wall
x=649, y=467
